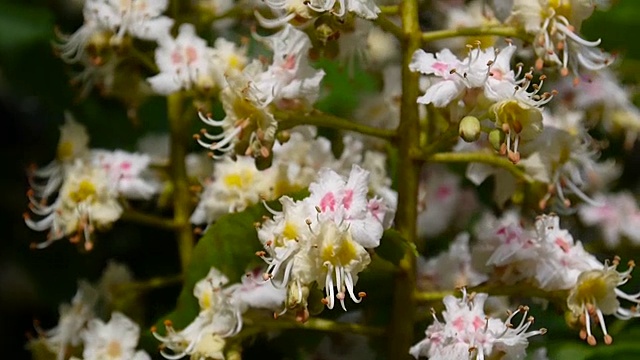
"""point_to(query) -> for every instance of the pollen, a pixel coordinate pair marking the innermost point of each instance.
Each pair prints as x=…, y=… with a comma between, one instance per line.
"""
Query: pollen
x=85, y=191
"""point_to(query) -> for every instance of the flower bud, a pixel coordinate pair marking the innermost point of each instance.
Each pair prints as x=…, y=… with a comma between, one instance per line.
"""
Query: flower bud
x=469, y=128
x=496, y=138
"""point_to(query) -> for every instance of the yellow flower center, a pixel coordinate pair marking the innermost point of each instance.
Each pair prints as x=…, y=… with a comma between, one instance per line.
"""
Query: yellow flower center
x=85, y=191
x=114, y=350
x=65, y=150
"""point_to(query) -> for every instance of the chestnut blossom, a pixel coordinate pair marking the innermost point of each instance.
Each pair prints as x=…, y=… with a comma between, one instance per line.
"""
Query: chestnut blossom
x=86, y=201
x=128, y=173
x=219, y=317
x=439, y=194
x=112, y=20
x=323, y=238
x=563, y=159
x=555, y=25
x=467, y=332
x=235, y=185
x=289, y=78
x=183, y=62
x=596, y=294
x=248, y=122
x=546, y=255
x=617, y=216
x=450, y=269
x=73, y=318
x=115, y=340
x=72, y=145
x=300, y=12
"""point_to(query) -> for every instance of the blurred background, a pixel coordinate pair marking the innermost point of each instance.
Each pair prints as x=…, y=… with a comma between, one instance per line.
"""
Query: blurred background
x=34, y=93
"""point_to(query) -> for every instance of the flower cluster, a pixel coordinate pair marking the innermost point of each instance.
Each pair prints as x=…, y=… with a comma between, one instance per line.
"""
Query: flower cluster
x=220, y=316
x=468, y=333
x=80, y=325
x=88, y=184
x=324, y=239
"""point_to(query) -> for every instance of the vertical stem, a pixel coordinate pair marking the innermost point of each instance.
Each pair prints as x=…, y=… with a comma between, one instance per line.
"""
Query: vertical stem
x=180, y=137
x=403, y=312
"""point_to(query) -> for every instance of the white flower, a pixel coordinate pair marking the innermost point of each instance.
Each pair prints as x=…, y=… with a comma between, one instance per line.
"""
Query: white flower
x=254, y=292
x=468, y=333
x=301, y=11
x=289, y=78
x=322, y=239
x=113, y=19
x=219, y=317
x=115, y=340
x=596, y=294
x=450, y=269
x=128, y=172
x=73, y=144
x=247, y=121
x=341, y=259
x=617, y=216
x=235, y=186
x=346, y=201
x=86, y=201
x=184, y=63
x=555, y=25
x=563, y=160
x=227, y=57
x=438, y=198
x=73, y=318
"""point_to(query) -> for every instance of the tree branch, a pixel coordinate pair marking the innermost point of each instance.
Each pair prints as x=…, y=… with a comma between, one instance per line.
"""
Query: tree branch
x=317, y=118
x=505, y=31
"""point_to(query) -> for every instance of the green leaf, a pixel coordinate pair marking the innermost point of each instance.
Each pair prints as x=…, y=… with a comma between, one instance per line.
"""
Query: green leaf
x=392, y=246
x=22, y=26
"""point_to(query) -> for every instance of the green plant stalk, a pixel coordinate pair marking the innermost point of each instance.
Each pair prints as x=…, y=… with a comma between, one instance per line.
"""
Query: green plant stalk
x=479, y=157
x=400, y=329
x=505, y=31
x=179, y=127
x=318, y=118
x=146, y=219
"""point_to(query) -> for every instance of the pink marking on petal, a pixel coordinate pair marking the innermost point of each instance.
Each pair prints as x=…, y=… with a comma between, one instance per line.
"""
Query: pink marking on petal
x=348, y=199
x=125, y=165
x=459, y=324
x=328, y=201
x=443, y=193
x=176, y=58
x=289, y=62
x=562, y=244
x=440, y=67
x=478, y=323
x=192, y=54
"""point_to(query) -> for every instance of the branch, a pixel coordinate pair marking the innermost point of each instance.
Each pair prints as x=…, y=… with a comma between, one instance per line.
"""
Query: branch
x=315, y=324
x=149, y=284
x=389, y=26
x=505, y=31
x=480, y=157
x=389, y=9
x=180, y=138
x=289, y=120
x=521, y=290
x=149, y=220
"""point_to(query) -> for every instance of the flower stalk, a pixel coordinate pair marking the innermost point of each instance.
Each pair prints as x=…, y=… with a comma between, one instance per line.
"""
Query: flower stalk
x=400, y=330
x=180, y=137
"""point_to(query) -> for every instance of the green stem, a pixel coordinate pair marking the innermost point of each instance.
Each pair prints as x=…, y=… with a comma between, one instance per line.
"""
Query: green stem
x=400, y=329
x=146, y=219
x=506, y=31
x=479, y=157
x=148, y=62
x=388, y=26
x=150, y=284
x=180, y=137
x=262, y=325
x=289, y=120
x=389, y=9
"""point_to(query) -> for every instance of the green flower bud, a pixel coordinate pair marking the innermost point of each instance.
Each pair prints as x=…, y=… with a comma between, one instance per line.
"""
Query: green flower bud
x=469, y=129
x=496, y=138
